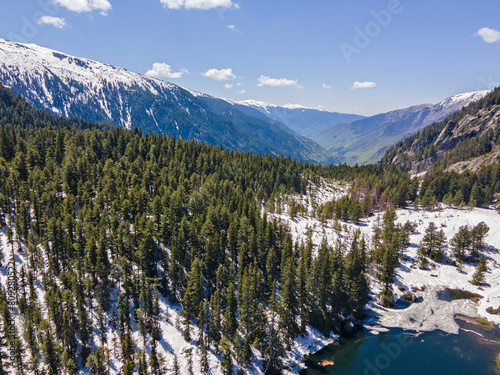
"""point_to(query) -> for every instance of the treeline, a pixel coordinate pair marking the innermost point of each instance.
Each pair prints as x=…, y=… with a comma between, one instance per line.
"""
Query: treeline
x=15, y=111
x=468, y=188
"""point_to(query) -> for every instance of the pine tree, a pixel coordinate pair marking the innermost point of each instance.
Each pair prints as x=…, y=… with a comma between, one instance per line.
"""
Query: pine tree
x=478, y=233
x=433, y=243
x=460, y=266
x=302, y=294
x=214, y=318
x=230, y=323
x=204, y=363
x=127, y=346
x=176, y=370
x=189, y=360
x=461, y=242
x=226, y=364
x=96, y=362
x=478, y=277
x=193, y=297
x=274, y=348
x=288, y=303
x=128, y=368
x=142, y=367
x=50, y=354
x=154, y=360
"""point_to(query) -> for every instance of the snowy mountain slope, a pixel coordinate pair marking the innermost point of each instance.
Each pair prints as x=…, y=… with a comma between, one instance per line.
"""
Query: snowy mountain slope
x=364, y=141
x=303, y=120
x=79, y=87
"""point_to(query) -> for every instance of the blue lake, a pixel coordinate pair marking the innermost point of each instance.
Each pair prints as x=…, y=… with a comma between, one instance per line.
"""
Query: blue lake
x=401, y=352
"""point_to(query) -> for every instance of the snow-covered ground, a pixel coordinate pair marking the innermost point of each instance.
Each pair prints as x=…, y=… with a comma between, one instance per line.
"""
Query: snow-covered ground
x=312, y=342
x=172, y=342
x=437, y=314
x=432, y=313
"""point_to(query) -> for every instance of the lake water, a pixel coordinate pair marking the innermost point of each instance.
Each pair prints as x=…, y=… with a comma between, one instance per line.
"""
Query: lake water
x=401, y=352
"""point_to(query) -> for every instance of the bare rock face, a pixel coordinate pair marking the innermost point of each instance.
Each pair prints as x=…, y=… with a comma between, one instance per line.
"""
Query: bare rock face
x=470, y=136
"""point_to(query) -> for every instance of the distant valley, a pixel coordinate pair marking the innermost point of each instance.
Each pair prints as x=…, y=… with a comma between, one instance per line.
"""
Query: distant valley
x=78, y=87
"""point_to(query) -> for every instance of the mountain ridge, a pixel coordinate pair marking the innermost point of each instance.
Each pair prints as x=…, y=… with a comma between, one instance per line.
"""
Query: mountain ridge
x=70, y=86
x=365, y=141
x=303, y=120
x=456, y=142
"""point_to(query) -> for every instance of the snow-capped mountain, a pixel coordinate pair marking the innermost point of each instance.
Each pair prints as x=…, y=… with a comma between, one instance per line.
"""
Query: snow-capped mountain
x=364, y=141
x=78, y=87
x=466, y=140
x=60, y=83
x=303, y=120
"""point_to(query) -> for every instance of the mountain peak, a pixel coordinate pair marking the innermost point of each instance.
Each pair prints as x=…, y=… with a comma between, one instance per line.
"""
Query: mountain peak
x=266, y=105
x=464, y=99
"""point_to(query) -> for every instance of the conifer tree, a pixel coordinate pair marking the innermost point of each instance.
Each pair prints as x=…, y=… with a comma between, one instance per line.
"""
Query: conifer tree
x=154, y=360
x=142, y=367
x=478, y=277
x=478, y=233
x=193, y=297
x=189, y=360
x=204, y=363
x=51, y=355
x=96, y=362
x=128, y=368
x=461, y=242
x=288, y=303
x=230, y=323
x=175, y=366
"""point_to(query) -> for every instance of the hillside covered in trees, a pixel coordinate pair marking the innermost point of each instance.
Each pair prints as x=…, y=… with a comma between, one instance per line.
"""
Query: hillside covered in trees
x=106, y=225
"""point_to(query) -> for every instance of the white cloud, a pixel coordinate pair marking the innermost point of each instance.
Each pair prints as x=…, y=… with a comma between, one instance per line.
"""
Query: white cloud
x=198, y=4
x=220, y=74
x=57, y=22
x=234, y=29
x=325, y=86
x=363, y=85
x=82, y=6
x=241, y=91
x=163, y=70
x=488, y=35
x=277, y=82
x=228, y=86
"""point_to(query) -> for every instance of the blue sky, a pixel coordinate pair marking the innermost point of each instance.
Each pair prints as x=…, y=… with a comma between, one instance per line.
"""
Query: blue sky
x=363, y=56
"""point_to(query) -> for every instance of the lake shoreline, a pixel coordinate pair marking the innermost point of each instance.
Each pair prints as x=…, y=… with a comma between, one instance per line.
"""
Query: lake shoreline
x=472, y=339
x=464, y=323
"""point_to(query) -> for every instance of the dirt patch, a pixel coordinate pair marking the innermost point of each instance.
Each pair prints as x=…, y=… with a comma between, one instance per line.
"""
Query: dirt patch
x=455, y=294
